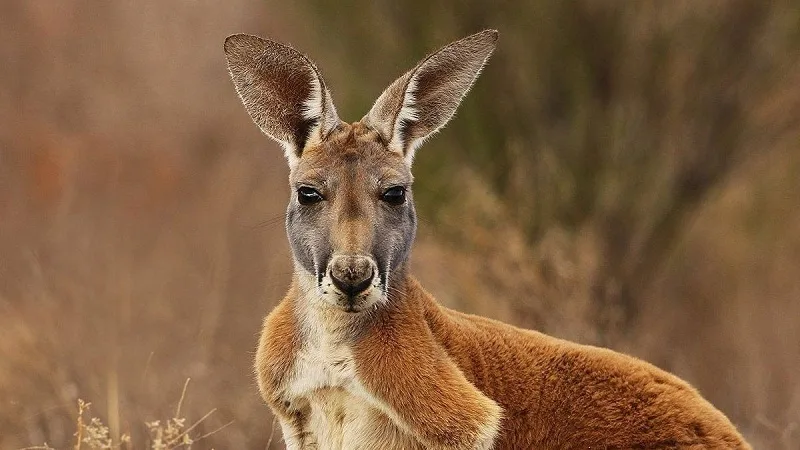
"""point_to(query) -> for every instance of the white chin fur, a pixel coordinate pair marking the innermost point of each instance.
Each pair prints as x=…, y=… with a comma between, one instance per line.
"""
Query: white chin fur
x=370, y=298
x=326, y=295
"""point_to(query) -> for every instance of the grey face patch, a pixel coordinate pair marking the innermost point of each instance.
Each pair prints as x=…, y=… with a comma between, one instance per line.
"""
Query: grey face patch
x=394, y=237
x=309, y=247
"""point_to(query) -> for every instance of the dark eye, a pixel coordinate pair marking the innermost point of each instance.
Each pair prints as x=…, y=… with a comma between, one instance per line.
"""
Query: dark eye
x=308, y=195
x=394, y=195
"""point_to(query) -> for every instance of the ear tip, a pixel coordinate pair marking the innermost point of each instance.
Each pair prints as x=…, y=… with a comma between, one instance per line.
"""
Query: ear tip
x=492, y=34
x=484, y=40
x=243, y=48
x=237, y=43
x=488, y=36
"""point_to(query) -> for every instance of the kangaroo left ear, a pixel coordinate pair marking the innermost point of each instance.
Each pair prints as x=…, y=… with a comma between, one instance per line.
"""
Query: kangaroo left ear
x=282, y=91
x=423, y=100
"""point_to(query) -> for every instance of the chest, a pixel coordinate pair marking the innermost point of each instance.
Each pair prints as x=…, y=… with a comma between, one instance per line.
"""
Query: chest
x=337, y=413
x=322, y=363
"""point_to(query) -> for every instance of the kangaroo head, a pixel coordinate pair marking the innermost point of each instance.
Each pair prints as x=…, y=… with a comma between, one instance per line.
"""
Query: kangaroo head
x=351, y=218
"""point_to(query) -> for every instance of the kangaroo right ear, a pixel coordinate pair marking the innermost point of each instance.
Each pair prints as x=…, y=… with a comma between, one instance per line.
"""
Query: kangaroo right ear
x=282, y=91
x=423, y=100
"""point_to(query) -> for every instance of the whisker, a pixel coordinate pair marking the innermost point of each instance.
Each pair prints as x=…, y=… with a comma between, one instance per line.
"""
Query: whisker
x=265, y=223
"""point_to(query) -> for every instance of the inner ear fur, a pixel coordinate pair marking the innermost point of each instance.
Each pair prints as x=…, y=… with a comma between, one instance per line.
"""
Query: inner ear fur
x=424, y=99
x=282, y=91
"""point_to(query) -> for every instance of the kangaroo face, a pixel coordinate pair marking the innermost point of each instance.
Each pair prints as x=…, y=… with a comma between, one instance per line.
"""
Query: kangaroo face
x=351, y=218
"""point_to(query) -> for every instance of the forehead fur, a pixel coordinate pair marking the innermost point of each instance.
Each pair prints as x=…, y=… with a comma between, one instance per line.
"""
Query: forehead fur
x=349, y=146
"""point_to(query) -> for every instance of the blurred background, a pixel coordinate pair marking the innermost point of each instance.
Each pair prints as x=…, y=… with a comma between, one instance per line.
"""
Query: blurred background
x=624, y=174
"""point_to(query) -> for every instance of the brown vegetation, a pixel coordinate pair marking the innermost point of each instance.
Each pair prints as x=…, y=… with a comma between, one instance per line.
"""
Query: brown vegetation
x=623, y=175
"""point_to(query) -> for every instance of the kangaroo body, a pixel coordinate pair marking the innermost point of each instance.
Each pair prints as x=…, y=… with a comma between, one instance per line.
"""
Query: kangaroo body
x=359, y=356
x=537, y=392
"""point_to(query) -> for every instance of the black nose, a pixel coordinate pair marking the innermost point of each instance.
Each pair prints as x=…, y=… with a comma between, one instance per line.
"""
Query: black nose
x=351, y=274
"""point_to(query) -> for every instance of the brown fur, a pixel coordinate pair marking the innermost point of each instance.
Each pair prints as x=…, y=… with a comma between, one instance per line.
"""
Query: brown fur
x=388, y=367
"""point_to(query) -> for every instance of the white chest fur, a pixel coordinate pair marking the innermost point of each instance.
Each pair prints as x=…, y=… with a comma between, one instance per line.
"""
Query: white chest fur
x=339, y=413
x=322, y=363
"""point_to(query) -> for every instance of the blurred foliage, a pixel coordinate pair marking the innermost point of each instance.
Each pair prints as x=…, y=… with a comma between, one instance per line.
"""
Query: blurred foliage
x=620, y=116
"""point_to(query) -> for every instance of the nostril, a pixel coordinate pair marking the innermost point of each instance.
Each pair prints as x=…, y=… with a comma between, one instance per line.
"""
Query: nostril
x=350, y=281
x=363, y=285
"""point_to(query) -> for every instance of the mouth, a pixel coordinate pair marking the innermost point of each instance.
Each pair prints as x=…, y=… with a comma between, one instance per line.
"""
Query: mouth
x=363, y=302
x=368, y=301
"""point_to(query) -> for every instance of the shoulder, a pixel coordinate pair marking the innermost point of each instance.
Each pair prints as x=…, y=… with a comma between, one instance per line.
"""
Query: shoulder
x=279, y=342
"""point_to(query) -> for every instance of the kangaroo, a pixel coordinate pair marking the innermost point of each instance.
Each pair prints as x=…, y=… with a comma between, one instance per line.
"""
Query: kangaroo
x=359, y=356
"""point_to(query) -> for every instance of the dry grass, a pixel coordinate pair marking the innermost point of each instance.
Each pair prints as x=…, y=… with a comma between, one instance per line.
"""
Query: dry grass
x=141, y=236
x=170, y=434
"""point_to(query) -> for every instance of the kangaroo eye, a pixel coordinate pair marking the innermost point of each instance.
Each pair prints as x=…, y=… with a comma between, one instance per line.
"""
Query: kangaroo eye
x=308, y=195
x=395, y=195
